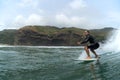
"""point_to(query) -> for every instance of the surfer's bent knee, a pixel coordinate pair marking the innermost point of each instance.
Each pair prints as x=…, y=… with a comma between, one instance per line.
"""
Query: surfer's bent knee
x=85, y=47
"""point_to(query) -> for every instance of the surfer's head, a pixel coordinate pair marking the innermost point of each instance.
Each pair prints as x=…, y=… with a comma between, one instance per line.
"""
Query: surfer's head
x=86, y=32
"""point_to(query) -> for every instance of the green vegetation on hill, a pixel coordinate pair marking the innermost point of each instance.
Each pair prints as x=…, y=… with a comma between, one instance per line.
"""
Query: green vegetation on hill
x=7, y=36
x=49, y=35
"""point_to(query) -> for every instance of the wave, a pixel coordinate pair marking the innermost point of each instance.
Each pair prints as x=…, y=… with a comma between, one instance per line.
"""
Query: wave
x=43, y=46
x=113, y=43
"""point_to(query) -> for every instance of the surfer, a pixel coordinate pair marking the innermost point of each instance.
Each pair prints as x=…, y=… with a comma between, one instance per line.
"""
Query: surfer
x=92, y=46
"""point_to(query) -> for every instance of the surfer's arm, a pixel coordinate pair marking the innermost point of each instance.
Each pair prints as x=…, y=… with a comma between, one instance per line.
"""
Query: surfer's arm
x=85, y=40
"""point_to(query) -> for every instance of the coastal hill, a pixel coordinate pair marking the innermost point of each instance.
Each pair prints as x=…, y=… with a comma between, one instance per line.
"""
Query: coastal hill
x=7, y=36
x=49, y=36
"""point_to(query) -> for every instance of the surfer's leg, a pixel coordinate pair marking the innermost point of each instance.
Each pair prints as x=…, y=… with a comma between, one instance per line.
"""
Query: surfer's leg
x=87, y=51
x=92, y=50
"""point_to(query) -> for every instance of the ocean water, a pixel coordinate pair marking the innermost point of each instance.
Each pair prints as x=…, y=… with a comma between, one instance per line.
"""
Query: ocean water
x=55, y=63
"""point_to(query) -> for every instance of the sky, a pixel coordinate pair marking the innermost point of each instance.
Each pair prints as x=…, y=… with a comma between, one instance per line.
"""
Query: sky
x=87, y=14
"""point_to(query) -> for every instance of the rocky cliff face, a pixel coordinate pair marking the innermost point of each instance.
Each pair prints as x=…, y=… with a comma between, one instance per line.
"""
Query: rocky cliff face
x=7, y=36
x=48, y=36
x=31, y=37
x=28, y=36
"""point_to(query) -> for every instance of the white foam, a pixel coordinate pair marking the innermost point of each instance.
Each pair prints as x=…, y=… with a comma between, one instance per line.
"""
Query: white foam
x=42, y=46
x=113, y=43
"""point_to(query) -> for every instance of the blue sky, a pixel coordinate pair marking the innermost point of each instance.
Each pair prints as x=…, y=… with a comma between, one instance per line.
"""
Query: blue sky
x=88, y=14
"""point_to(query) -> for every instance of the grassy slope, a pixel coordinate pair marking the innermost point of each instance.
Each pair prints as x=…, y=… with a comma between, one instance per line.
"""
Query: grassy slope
x=8, y=36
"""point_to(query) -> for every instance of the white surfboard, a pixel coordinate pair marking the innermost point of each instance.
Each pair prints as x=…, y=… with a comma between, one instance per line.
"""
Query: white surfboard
x=92, y=59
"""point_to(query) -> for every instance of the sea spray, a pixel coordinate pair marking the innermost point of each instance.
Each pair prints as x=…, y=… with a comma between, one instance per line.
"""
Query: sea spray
x=113, y=43
x=82, y=55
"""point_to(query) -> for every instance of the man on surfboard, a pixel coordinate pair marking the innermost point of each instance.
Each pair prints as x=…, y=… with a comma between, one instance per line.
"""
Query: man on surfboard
x=93, y=44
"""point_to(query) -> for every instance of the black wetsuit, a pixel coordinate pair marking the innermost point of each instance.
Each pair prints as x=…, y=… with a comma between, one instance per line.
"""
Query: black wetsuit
x=93, y=44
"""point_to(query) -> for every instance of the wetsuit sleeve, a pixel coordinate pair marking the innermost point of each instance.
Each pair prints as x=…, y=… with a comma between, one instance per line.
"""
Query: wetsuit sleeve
x=85, y=40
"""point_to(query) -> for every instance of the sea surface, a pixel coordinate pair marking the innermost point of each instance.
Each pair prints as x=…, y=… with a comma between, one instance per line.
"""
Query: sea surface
x=55, y=63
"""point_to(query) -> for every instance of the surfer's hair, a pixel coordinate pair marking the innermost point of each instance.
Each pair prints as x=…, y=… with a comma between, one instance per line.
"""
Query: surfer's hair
x=87, y=31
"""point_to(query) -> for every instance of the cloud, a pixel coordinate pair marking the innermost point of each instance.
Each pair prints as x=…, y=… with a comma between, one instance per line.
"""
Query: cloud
x=21, y=21
x=76, y=4
x=81, y=15
x=75, y=13
x=29, y=3
x=74, y=21
x=2, y=25
x=114, y=16
x=63, y=19
x=33, y=19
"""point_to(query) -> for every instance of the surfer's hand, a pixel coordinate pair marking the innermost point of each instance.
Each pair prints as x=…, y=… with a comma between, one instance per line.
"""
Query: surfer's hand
x=78, y=43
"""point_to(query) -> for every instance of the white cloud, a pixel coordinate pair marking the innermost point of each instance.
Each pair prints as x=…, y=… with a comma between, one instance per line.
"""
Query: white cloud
x=81, y=15
x=76, y=13
x=75, y=21
x=76, y=17
x=33, y=19
x=62, y=19
x=20, y=20
x=114, y=16
x=2, y=25
x=76, y=4
x=29, y=3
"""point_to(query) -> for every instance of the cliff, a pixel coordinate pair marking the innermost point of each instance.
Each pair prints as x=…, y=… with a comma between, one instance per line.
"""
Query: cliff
x=7, y=36
x=53, y=36
x=49, y=36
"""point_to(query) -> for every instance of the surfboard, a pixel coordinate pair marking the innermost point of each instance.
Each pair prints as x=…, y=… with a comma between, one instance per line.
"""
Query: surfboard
x=92, y=59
